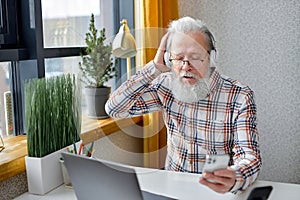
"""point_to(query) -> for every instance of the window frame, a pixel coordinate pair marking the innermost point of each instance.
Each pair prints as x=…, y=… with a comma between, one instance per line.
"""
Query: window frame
x=30, y=47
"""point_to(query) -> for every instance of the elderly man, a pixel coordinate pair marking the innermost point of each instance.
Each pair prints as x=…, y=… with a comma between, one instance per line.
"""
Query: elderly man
x=205, y=112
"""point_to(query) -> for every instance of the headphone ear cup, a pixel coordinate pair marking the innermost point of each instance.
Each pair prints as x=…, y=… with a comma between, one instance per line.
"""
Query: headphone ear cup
x=212, y=58
x=166, y=59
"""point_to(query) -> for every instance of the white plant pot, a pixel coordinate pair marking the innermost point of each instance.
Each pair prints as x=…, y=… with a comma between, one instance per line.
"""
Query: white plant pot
x=44, y=174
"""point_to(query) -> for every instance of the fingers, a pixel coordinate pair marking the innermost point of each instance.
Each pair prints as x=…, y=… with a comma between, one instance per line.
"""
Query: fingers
x=163, y=42
x=159, y=57
x=214, y=186
x=220, y=181
x=217, y=179
x=227, y=173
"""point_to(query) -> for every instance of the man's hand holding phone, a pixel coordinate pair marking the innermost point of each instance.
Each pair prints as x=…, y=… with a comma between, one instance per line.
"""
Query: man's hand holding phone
x=216, y=173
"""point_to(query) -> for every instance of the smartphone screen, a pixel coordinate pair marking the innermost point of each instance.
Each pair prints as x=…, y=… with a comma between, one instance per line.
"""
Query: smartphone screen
x=260, y=193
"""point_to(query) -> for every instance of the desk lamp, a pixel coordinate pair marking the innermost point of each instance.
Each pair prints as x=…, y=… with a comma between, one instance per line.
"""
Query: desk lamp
x=123, y=45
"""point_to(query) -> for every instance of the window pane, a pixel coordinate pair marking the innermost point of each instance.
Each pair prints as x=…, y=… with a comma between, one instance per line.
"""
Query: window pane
x=64, y=65
x=6, y=120
x=65, y=22
x=60, y=66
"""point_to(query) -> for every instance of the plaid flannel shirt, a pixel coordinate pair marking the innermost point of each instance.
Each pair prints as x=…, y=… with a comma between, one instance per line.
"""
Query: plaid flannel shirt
x=223, y=123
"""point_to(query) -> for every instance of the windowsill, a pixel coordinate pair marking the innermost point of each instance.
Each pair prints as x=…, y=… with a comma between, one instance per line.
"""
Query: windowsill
x=12, y=158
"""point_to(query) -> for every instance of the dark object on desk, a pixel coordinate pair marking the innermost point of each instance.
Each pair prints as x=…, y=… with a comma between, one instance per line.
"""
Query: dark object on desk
x=260, y=193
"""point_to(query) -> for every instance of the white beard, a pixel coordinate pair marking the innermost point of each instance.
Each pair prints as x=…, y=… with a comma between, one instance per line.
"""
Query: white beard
x=189, y=93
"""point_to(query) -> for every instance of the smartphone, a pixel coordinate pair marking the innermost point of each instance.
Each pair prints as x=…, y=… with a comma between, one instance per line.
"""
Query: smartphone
x=215, y=162
x=260, y=193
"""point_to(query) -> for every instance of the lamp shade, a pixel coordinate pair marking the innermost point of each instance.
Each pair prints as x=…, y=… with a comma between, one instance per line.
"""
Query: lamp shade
x=123, y=45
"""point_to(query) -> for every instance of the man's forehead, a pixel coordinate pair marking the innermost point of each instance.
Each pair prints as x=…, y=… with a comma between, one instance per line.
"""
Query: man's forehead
x=196, y=39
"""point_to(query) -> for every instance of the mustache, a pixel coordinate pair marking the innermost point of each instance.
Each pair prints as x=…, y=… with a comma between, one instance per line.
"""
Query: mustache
x=189, y=74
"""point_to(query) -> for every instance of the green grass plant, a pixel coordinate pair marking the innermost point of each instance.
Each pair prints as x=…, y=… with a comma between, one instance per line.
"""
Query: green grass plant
x=52, y=114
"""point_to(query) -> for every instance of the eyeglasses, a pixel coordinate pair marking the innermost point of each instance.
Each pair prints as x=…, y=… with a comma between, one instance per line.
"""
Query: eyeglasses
x=2, y=144
x=195, y=62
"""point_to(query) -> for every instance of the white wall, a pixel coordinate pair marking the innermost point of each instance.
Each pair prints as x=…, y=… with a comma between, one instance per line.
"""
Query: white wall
x=259, y=44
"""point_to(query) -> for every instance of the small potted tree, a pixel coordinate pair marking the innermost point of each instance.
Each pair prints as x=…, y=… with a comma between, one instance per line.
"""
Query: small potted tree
x=97, y=67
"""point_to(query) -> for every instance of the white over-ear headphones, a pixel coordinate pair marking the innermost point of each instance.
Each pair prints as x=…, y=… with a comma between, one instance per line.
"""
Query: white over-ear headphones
x=213, y=58
x=167, y=59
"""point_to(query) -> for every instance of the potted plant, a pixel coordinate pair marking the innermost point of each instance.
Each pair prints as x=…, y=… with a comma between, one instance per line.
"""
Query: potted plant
x=53, y=122
x=97, y=67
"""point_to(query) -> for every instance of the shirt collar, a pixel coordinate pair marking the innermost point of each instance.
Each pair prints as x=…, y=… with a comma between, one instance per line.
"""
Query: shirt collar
x=215, y=79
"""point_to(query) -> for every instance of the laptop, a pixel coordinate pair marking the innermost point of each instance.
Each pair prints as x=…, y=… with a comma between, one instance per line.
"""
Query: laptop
x=100, y=179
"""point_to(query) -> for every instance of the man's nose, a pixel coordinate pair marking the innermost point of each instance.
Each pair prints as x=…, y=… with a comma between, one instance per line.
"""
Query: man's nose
x=186, y=65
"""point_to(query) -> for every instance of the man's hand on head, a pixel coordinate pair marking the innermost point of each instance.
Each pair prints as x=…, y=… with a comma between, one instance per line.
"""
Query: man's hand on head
x=159, y=57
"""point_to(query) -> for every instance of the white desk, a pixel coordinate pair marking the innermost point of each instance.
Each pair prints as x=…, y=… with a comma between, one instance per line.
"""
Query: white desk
x=181, y=185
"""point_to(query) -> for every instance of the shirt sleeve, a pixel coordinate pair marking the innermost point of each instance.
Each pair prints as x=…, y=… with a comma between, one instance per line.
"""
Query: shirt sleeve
x=136, y=96
x=246, y=153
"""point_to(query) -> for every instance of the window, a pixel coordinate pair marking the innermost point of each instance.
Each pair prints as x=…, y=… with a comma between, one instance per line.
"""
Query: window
x=63, y=65
x=50, y=38
x=65, y=25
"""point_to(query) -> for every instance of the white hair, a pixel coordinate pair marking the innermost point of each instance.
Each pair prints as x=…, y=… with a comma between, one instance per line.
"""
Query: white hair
x=187, y=25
